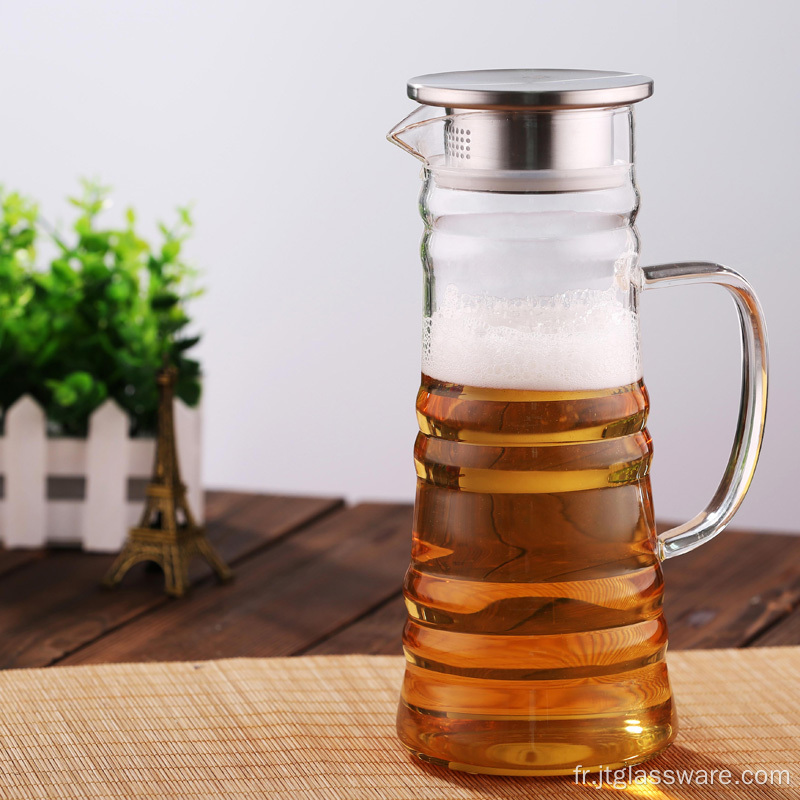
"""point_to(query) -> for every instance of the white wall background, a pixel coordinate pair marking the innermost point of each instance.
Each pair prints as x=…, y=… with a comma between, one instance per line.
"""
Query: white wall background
x=272, y=116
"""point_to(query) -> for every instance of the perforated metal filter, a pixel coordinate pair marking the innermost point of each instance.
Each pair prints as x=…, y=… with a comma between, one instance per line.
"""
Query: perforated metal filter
x=457, y=142
x=529, y=140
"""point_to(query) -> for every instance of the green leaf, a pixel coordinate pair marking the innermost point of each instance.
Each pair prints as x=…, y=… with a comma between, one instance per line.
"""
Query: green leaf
x=170, y=250
x=184, y=213
x=182, y=345
x=25, y=296
x=189, y=391
x=81, y=382
x=62, y=271
x=118, y=291
x=63, y=394
x=164, y=300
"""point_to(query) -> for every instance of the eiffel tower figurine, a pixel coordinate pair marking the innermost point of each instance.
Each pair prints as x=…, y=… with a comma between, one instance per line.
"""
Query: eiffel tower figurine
x=167, y=532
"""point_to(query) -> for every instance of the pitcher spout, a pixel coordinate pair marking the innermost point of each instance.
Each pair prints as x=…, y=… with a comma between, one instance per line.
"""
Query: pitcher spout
x=420, y=133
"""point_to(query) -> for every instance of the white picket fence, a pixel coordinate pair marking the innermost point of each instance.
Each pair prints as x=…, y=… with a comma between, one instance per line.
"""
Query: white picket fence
x=103, y=463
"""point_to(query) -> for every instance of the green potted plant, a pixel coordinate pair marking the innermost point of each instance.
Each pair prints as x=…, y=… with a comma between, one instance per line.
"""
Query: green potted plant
x=92, y=326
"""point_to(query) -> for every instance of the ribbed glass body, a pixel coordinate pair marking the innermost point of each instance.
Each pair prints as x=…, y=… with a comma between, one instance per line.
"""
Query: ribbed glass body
x=535, y=640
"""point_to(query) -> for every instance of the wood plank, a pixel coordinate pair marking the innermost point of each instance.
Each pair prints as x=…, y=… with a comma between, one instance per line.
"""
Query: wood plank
x=724, y=593
x=377, y=633
x=219, y=503
x=283, y=600
x=720, y=595
x=11, y=560
x=55, y=605
x=786, y=632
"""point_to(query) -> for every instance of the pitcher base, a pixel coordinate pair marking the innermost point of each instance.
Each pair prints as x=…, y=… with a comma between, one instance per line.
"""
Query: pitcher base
x=531, y=746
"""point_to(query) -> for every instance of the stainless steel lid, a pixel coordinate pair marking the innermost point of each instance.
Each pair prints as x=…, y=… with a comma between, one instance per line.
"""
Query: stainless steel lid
x=515, y=89
x=563, y=122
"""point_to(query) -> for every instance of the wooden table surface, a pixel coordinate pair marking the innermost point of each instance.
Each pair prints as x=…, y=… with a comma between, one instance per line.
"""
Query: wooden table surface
x=315, y=576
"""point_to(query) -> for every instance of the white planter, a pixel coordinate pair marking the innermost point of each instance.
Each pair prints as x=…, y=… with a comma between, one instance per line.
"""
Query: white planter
x=76, y=491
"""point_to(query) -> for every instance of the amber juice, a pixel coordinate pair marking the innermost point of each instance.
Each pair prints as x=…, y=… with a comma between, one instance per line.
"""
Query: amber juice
x=535, y=639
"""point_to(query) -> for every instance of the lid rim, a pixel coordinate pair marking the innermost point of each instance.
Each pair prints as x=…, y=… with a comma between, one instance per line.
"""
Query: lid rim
x=529, y=89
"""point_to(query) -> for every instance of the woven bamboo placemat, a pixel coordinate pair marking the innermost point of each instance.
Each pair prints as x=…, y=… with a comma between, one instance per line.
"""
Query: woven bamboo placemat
x=323, y=727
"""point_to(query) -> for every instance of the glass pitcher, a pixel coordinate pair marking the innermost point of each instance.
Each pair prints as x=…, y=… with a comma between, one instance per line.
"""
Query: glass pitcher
x=535, y=640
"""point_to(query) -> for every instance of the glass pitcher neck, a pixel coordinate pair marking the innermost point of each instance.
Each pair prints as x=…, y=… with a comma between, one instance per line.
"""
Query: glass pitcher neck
x=511, y=273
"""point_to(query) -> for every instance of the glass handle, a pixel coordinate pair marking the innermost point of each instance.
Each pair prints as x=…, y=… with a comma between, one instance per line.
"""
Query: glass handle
x=752, y=407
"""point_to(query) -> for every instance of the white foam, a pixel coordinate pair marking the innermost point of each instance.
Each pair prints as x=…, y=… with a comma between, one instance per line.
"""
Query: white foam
x=578, y=340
